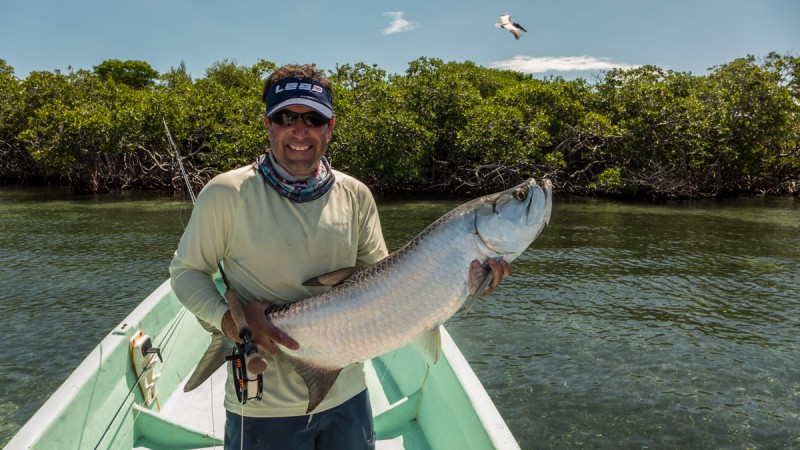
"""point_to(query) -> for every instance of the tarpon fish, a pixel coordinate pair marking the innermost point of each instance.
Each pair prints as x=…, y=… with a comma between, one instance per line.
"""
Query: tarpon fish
x=406, y=296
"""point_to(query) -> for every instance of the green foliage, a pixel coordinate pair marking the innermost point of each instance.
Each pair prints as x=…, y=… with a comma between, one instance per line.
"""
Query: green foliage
x=440, y=98
x=376, y=138
x=15, y=163
x=751, y=114
x=136, y=74
x=677, y=134
x=231, y=76
x=609, y=180
x=453, y=126
x=11, y=105
x=178, y=78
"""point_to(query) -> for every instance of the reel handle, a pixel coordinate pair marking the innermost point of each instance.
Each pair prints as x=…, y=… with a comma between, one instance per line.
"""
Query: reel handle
x=255, y=362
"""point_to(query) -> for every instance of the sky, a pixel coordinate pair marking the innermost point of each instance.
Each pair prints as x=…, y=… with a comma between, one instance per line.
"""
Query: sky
x=567, y=38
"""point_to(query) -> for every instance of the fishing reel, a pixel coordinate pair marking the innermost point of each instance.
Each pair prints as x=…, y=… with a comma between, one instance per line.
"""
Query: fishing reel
x=247, y=381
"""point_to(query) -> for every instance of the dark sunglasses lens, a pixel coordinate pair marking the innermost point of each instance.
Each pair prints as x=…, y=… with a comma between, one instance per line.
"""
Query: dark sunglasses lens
x=310, y=119
x=284, y=118
x=314, y=119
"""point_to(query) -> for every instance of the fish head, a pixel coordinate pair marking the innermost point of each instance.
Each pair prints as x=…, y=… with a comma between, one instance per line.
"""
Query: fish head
x=508, y=221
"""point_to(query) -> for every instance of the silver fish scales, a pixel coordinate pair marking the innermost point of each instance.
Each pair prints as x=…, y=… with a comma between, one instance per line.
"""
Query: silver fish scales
x=410, y=293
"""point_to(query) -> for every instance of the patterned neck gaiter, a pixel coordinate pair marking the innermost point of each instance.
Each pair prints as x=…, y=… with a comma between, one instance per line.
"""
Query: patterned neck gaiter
x=298, y=191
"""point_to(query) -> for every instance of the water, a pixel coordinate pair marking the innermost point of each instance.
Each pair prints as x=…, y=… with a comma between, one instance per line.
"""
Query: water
x=624, y=326
x=71, y=268
x=642, y=326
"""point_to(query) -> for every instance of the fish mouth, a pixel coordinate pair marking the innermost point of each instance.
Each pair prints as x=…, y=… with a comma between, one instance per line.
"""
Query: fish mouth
x=548, y=193
x=514, y=216
x=532, y=214
x=532, y=185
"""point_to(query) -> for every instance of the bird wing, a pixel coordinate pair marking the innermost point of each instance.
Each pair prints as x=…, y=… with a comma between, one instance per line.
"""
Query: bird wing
x=515, y=32
x=505, y=19
x=520, y=27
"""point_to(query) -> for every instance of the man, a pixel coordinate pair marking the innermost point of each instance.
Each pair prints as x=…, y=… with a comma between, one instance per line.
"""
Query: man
x=274, y=224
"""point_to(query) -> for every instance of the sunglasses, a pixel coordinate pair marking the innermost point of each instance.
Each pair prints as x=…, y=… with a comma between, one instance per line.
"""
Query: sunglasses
x=311, y=119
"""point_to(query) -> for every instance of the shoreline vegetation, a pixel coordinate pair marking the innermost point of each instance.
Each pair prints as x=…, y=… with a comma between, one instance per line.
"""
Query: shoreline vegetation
x=441, y=127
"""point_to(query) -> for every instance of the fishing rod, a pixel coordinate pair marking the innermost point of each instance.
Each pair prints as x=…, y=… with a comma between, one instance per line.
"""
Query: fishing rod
x=248, y=364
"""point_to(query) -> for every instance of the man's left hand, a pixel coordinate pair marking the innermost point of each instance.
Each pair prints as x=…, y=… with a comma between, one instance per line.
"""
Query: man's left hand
x=477, y=272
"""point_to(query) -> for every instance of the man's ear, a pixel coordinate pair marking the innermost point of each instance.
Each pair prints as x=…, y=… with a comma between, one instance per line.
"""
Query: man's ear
x=269, y=129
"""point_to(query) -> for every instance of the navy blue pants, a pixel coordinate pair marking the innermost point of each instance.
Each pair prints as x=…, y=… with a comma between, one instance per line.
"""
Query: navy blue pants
x=347, y=427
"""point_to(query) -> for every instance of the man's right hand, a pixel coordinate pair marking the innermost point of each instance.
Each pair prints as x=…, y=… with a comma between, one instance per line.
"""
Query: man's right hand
x=266, y=335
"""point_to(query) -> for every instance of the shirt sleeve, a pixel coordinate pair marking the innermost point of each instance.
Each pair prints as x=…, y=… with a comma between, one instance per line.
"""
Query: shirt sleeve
x=200, y=250
x=371, y=245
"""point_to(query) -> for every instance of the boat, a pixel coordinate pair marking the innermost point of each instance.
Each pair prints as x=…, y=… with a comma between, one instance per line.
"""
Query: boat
x=128, y=393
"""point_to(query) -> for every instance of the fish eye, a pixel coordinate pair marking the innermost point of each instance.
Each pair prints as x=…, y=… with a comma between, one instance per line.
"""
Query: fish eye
x=520, y=194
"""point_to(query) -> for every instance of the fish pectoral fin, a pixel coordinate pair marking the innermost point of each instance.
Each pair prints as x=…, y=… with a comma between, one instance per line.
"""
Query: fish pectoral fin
x=332, y=278
x=428, y=344
x=212, y=359
x=318, y=381
x=474, y=297
x=471, y=300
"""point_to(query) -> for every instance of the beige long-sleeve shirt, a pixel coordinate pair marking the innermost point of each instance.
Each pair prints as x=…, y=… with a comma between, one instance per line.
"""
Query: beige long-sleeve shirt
x=269, y=245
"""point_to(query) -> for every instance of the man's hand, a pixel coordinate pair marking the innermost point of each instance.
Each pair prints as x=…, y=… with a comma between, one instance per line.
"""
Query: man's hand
x=266, y=335
x=477, y=272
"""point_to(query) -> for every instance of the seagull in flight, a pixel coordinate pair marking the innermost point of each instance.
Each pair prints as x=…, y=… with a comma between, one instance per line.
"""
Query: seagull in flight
x=513, y=27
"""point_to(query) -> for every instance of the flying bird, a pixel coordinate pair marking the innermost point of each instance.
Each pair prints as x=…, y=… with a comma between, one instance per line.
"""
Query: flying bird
x=513, y=27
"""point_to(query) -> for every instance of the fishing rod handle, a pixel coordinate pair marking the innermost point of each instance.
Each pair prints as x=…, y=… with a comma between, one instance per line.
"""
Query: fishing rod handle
x=237, y=313
x=255, y=362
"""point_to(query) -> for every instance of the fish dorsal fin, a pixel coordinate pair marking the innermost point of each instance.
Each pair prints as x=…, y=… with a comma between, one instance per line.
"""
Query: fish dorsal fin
x=318, y=381
x=428, y=344
x=332, y=278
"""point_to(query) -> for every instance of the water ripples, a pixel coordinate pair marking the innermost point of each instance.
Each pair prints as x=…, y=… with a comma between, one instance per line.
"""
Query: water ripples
x=71, y=269
x=638, y=331
x=623, y=326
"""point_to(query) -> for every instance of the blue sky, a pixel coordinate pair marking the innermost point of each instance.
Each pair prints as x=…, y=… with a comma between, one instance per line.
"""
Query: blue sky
x=569, y=38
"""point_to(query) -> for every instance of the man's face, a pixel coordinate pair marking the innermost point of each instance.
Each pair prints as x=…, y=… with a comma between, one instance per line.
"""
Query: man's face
x=298, y=148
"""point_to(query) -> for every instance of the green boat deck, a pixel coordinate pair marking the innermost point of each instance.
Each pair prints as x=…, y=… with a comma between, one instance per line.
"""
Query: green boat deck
x=397, y=403
x=200, y=416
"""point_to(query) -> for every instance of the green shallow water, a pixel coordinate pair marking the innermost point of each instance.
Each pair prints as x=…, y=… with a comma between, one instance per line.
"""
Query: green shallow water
x=625, y=325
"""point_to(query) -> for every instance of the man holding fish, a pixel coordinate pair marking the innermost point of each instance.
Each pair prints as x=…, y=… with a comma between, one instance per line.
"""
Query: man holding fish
x=274, y=224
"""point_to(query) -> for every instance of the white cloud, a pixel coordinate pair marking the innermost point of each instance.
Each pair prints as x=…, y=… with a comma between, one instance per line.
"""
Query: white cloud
x=532, y=64
x=399, y=24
